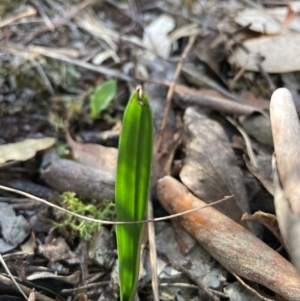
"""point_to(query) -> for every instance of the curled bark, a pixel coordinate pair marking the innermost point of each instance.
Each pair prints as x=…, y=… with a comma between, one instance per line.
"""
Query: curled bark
x=88, y=183
x=286, y=169
x=238, y=250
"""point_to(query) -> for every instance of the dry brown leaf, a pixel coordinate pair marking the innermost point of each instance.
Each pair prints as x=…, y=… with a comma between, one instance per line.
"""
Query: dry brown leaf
x=201, y=80
x=72, y=279
x=290, y=17
x=156, y=35
x=261, y=174
x=259, y=127
x=24, y=150
x=268, y=220
x=272, y=20
x=237, y=249
x=197, y=264
x=89, y=22
x=210, y=169
x=281, y=53
x=185, y=241
x=14, y=229
x=250, y=99
x=185, y=30
x=94, y=155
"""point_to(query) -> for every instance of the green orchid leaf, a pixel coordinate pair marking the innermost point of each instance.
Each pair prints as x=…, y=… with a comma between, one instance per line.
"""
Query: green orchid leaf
x=102, y=96
x=132, y=188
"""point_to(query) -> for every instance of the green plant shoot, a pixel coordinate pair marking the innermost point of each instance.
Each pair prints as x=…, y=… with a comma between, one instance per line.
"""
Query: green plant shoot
x=102, y=96
x=132, y=188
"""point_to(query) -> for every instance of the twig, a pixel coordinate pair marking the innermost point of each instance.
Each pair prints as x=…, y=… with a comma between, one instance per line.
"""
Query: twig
x=246, y=138
x=25, y=52
x=27, y=290
x=58, y=21
x=259, y=65
x=84, y=287
x=209, y=294
x=240, y=280
x=153, y=5
x=171, y=90
x=99, y=221
x=43, y=75
x=27, y=13
x=153, y=255
x=12, y=277
x=44, y=16
x=271, y=85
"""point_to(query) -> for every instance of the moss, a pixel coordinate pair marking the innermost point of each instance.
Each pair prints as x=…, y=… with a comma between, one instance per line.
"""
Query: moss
x=72, y=226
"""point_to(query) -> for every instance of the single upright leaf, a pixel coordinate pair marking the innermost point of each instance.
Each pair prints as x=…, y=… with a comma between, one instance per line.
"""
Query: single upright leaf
x=132, y=188
x=102, y=96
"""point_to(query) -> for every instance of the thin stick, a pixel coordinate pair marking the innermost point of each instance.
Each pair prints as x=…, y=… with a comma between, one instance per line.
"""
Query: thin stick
x=259, y=66
x=209, y=292
x=27, y=13
x=153, y=255
x=34, y=50
x=44, y=16
x=99, y=221
x=246, y=138
x=240, y=280
x=55, y=23
x=12, y=277
x=171, y=90
x=39, y=296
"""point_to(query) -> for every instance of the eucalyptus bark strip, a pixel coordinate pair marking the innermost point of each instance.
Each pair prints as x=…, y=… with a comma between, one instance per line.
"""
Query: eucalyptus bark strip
x=286, y=169
x=87, y=182
x=234, y=247
x=286, y=137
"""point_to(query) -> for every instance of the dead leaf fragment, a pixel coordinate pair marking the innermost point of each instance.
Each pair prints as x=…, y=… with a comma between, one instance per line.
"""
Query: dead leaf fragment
x=235, y=291
x=24, y=150
x=101, y=248
x=269, y=21
x=234, y=247
x=259, y=127
x=196, y=264
x=261, y=173
x=94, y=155
x=32, y=296
x=185, y=241
x=73, y=279
x=57, y=250
x=266, y=219
x=281, y=53
x=209, y=169
x=15, y=229
x=156, y=35
x=199, y=79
